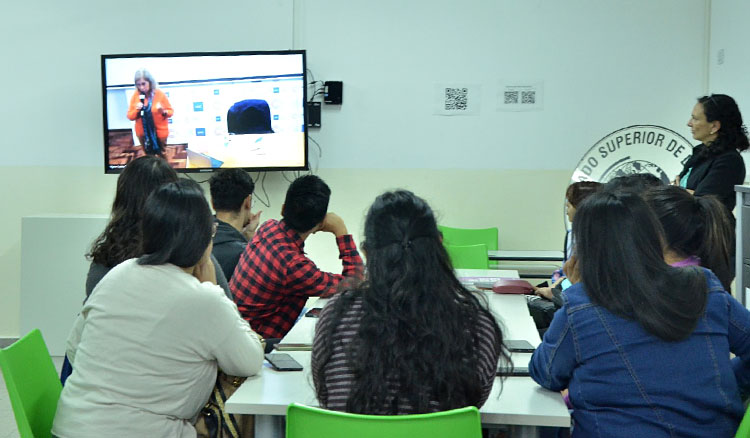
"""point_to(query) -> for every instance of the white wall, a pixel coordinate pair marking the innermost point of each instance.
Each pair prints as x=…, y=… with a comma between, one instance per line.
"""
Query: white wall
x=728, y=63
x=730, y=34
x=605, y=65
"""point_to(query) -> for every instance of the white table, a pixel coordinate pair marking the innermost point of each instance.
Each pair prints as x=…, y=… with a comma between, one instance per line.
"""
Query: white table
x=522, y=403
x=527, y=255
x=304, y=330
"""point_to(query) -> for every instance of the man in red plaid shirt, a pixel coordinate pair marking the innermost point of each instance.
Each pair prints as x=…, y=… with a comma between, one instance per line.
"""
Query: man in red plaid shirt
x=274, y=277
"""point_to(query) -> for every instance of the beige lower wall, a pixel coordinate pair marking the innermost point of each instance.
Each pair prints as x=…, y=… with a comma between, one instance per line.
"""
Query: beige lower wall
x=527, y=206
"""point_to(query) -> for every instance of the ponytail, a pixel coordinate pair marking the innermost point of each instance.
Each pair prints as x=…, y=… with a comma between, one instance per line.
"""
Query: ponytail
x=733, y=133
x=696, y=226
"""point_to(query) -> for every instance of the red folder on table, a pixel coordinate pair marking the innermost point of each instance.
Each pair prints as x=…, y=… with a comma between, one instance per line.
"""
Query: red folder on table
x=512, y=286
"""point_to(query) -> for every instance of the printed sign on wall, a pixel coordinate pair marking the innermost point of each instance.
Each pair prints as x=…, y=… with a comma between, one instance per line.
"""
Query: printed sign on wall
x=456, y=99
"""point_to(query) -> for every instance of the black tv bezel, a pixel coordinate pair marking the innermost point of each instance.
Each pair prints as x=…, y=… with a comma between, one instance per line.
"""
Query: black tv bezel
x=104, y=57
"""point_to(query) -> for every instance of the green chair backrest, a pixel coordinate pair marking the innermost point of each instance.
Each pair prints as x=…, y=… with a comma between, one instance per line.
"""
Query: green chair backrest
x=744, y=430
x=470, y=236
x=33, y=385
x=307, y=422
x=468, y=256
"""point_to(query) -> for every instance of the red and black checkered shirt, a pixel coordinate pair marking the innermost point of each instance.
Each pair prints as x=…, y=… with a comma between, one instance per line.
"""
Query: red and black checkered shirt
x=274, y=278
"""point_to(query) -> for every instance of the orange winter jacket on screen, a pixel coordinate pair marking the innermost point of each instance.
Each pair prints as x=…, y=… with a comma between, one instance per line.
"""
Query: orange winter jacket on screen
x=160, y=122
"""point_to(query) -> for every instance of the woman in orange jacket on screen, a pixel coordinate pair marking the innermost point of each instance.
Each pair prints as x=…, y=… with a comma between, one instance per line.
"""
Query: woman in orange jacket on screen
x=151, y=110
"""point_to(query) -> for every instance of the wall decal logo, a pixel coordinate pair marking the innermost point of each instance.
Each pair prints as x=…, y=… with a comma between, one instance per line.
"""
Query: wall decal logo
x=635, y=149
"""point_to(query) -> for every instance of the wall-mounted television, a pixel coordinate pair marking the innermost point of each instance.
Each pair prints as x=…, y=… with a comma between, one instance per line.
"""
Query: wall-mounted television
x=204, y=111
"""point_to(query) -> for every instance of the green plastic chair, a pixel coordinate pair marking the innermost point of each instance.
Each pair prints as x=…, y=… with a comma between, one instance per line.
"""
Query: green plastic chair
x=468, y=256
x=33, y=385
x=744, y=430
x=470, y=236
x=307, y=422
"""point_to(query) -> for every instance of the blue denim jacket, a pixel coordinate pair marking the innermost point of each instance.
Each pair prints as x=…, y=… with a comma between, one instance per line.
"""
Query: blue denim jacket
x=625, y=382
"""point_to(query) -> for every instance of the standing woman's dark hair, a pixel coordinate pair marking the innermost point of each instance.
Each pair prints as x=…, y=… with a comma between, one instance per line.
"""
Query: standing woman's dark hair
x=622, y=267
x=732, y=134
x=121, y=238
x=695, y=226
x=177, y=225
x=420, y=341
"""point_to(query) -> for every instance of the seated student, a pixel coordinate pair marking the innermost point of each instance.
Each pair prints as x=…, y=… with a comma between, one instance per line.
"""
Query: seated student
x=148, y=341
x=543, y=309
x=410, y=338
x=697, y=229
x=231, y=197
x=642, y=346
x=121, y=239
x=274, y=278
x=574, y=195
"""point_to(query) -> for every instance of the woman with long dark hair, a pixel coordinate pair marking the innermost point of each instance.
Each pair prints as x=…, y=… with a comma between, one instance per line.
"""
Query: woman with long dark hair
x=642, y=346
x=410, y=338
x=121, y=239
x=698, y=231
x=148, y=342
x=716, y=165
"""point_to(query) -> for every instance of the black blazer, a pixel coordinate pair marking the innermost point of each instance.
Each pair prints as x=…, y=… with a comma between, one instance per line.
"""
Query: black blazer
x=715, y=174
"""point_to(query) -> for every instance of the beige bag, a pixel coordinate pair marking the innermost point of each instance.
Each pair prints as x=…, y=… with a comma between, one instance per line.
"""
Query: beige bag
x=215, y=422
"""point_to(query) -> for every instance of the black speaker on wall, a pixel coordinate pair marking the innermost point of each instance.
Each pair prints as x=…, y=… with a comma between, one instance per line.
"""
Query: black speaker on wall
x=333, y=92
x=313, y=114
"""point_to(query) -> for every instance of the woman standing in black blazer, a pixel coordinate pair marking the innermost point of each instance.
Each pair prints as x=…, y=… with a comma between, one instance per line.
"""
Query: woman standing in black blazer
x=716, y=165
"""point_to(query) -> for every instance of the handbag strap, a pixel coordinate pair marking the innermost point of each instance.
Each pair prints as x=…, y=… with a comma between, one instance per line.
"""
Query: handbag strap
x=228, y=419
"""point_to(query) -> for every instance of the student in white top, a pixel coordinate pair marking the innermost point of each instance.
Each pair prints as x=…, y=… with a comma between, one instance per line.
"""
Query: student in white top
x=146, y=346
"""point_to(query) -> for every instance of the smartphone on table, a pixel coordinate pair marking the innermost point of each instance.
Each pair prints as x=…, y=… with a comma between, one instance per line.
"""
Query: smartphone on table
x=519, y=346
x=283, y=362
x=515, y=372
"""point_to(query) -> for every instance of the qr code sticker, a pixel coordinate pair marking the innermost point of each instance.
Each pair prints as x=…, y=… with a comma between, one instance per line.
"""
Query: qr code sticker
x=456, y=99
x=511, y=97
x=528, y=97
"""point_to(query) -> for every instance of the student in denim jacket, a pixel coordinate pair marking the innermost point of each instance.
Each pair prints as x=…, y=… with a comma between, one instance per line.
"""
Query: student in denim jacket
x=643, y=347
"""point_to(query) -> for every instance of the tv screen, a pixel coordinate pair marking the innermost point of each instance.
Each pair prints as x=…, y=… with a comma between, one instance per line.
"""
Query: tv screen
x=203, y=111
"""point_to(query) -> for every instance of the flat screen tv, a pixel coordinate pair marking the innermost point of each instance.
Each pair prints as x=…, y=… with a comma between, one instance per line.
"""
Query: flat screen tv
x=203, y=111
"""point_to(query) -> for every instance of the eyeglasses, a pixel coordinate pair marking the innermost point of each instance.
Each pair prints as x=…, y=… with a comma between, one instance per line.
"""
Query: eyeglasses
x=214, y=226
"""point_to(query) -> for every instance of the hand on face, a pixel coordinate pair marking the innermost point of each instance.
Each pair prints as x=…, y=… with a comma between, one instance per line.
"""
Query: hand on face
x=252, y=225
x=332, y=223
x=204, y=269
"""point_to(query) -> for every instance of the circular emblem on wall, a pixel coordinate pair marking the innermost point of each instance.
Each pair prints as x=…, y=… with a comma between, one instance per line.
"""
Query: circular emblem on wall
x=635, y=149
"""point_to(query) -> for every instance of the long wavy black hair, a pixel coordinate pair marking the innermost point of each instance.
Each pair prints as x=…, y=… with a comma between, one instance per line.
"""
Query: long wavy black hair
x=695, y=226
x=419, y=326
x=121, y=239
x=622, y=266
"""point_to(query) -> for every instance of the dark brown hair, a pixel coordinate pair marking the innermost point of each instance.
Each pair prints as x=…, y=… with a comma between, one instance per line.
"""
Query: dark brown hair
x=578, y=191
x=121, y=239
